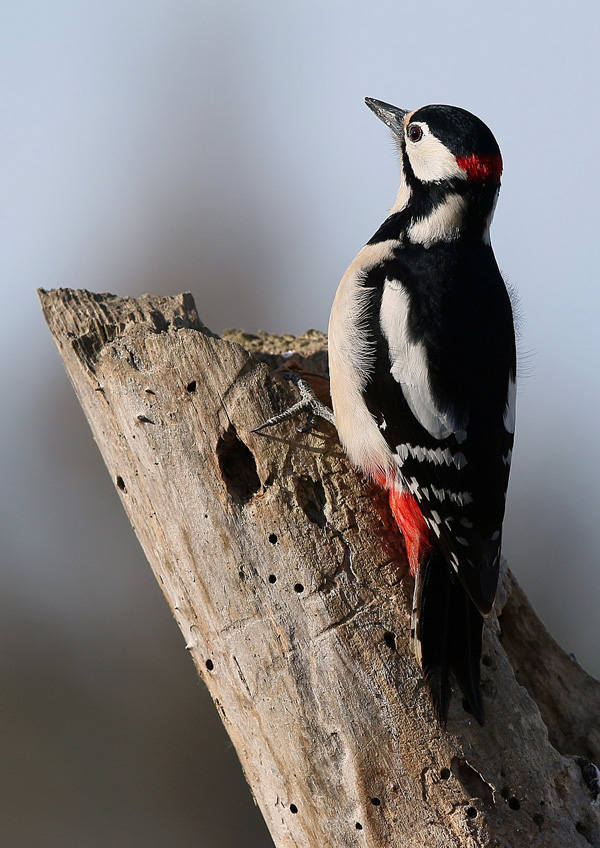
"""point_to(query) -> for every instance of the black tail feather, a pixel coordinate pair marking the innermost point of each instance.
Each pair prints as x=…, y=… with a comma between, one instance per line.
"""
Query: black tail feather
x=432, y=610
x=465, y=640
x=448, y=630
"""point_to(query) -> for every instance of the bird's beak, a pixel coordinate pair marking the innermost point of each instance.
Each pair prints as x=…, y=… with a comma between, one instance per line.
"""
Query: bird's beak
x=390, y=115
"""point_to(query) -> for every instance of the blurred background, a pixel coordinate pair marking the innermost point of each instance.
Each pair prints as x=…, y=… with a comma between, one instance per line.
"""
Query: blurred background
x=223, y=148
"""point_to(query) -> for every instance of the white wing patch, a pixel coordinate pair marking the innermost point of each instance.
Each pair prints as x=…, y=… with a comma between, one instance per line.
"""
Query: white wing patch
x=409, y=366
x=459, y=498
x=439, y=456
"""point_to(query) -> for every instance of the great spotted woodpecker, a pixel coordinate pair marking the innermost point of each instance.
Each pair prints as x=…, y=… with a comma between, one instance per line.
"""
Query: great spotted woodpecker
x=422, y=366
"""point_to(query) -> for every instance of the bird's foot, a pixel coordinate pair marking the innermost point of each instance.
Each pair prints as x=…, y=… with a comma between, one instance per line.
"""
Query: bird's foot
x=308, y=403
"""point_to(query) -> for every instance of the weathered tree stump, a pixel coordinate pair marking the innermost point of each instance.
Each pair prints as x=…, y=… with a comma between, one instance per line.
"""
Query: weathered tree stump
x=288, y=579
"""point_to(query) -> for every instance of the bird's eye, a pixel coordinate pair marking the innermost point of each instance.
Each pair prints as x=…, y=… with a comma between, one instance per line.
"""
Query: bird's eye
x=414, y=132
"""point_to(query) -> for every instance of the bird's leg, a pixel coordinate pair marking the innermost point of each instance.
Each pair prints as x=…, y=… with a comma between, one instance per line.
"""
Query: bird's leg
x=308, y=403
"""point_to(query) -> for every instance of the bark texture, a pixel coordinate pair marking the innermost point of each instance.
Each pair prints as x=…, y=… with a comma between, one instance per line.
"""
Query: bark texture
x=288, y=579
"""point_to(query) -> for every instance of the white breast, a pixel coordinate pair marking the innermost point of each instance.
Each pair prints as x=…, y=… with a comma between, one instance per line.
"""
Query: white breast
x=351, y=359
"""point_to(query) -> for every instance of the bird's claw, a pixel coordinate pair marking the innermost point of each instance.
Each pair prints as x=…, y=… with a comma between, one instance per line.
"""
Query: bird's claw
x=308, y=402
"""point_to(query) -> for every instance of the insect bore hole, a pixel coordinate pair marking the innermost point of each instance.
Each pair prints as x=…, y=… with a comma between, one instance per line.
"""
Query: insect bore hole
x=390, y=640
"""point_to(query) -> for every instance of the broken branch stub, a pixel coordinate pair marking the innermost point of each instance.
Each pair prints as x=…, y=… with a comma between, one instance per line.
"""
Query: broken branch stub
x=287, y=577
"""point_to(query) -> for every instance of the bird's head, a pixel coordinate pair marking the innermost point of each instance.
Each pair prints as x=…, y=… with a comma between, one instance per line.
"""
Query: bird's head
x=446, y=152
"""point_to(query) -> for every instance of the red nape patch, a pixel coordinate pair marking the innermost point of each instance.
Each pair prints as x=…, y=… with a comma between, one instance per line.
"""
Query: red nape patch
x=409, y=519
x=482, y=167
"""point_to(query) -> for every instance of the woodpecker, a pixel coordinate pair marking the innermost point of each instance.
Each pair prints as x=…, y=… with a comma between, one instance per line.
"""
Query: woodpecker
x=422, y=365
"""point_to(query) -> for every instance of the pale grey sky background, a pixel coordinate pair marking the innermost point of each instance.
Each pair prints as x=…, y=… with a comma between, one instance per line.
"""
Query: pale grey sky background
x=224, y=148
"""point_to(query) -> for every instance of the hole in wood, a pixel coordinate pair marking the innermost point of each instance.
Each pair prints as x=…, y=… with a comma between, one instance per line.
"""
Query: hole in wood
x=590, y=775
x=191, y=386
x=514, y=803
x=472, y=782
x=311, y=498
x=358, y=826
x=471, y=812
x=272, y=578
x=210, y=665
x=390, y=640
x=238, y=466
x=586, y=831
x=375, y=801
x=293, y=809
x=298, y=588
x=273, y=538
x=121, y=484
x=445, y=773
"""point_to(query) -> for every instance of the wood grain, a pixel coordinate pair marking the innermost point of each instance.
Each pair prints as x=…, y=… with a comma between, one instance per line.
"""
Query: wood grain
x=288, y=579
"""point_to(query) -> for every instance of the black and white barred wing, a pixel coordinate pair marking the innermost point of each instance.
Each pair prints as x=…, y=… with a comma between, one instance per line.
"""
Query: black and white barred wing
x=455, y=462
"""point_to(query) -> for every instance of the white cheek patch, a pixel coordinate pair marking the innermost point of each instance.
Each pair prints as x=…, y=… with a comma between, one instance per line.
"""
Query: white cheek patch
x=444, y=223
x=408, y=363
x=431, y=160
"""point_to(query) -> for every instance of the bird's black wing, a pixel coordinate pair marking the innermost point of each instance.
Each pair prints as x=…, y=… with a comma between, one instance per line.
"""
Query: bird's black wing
x=440, y=391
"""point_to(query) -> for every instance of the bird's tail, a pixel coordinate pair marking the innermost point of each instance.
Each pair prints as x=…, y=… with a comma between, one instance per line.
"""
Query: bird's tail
x=447, y=628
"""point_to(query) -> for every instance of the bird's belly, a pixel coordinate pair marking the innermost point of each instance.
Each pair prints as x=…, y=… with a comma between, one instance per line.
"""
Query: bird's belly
x=349, y=367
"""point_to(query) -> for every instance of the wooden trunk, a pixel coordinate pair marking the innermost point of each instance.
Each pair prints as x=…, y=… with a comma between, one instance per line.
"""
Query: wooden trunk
x=288, y=579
